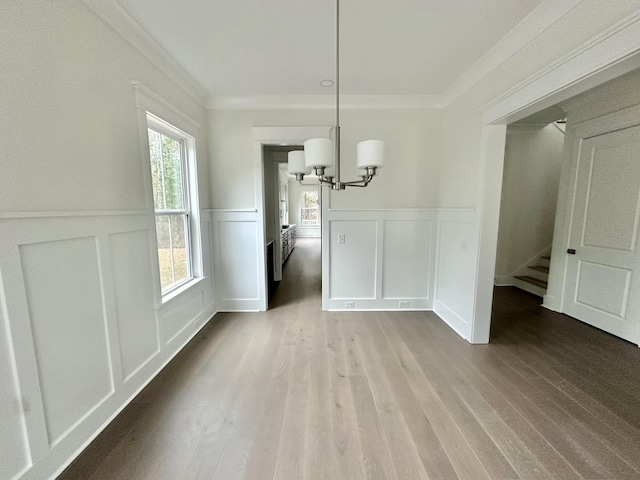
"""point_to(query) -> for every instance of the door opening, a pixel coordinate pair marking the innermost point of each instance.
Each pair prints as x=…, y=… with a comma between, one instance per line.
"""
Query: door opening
x=594, y=260
x=292, y=212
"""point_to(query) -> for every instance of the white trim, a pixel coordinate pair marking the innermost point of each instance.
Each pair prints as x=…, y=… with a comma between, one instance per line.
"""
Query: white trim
x=150, y=101
x=155, y=112
x=323, y=102
x=177, y=292
x=131, y=31
x=533, y=25
x=492, y=163
x=451, y=318
x=426, y=209
x=77, y=213
x=231, y=210
x=285, y=136
x=611, y=53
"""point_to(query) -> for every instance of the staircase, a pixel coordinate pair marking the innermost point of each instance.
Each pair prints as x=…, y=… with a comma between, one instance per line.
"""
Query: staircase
x=534, y=280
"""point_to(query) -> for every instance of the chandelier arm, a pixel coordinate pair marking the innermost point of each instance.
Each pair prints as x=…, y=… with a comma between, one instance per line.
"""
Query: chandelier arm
x=366, y=179
x=326, y=180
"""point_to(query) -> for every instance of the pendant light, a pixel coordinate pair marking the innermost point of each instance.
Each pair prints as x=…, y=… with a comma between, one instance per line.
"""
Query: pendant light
x=319, y=153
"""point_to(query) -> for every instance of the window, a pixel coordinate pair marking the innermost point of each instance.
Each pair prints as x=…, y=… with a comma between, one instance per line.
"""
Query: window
x=309, y=211
x=168, y=153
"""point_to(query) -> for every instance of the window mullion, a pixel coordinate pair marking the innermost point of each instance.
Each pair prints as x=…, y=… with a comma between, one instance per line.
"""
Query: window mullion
x=173, y=266
x=172, y=212
x=187, y=246
x=164, y=190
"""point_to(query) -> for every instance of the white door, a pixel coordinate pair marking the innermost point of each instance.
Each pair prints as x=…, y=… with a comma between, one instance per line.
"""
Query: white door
x=602, y=282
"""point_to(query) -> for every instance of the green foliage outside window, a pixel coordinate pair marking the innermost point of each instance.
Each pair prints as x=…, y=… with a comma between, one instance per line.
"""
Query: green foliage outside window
x=167, y=178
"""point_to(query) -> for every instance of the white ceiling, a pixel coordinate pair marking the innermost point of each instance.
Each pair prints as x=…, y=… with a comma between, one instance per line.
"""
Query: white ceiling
x=286, y=47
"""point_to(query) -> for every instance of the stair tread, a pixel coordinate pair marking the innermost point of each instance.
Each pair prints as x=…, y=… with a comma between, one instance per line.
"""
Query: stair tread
x=539, y=268
x=534, y=281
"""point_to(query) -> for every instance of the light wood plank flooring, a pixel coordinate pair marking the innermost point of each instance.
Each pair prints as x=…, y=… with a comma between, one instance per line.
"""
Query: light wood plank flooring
x=297, y=393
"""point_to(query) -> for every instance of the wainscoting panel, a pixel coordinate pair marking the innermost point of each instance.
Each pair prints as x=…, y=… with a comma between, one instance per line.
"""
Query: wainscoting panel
x=353, y=263
x=237, y=246
x=456, y=270
x=133, y=287
x=407, y=259
x=13, y=437
x=239, y=259
x=207, y=263
x=80, y=330
x=69, y=330
x=385, y=263
x=180, y=315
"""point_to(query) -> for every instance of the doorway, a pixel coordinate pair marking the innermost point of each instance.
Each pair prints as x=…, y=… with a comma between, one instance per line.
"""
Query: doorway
x=293, y=216
x=594, y=262
x=268, y=220
x=532, y=166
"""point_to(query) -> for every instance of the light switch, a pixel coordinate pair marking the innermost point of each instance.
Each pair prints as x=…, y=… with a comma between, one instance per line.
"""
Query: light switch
x=341, y=238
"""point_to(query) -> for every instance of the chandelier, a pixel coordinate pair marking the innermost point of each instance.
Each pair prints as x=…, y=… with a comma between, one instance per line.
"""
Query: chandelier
x=318, y=153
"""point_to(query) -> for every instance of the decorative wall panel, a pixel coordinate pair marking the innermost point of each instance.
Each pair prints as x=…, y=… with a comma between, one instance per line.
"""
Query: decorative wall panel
x=64, y=292
x=133, y=287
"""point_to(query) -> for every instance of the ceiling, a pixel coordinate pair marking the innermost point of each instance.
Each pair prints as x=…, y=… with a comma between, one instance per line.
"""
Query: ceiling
x=286, y=47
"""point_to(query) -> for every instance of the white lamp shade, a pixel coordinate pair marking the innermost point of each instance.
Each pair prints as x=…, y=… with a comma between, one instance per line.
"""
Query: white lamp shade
x=296, y=163
x=318, y=152
x=370, y=154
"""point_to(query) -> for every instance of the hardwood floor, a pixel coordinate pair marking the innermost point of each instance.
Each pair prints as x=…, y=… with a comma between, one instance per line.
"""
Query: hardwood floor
x=297, y=393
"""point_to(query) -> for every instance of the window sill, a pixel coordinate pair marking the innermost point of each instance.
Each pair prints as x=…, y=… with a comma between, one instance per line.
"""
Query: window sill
x=173, y=294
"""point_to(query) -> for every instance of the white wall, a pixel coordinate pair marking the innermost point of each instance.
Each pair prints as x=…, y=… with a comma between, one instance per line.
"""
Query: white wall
x=408, y=184
x=412, y=149
x=529, y=194
x=81, y=325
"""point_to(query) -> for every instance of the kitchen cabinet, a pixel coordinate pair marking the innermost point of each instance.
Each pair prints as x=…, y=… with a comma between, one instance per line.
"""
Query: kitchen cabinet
x=288, y=236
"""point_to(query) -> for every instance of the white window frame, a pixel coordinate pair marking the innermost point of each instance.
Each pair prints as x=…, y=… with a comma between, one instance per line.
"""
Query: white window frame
x=189, y=192
x=150, y=104
x=302, y=209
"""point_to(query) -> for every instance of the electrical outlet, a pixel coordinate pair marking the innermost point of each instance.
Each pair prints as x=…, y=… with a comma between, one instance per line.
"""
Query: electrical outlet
x=341, y=238
x=403, y=303
x=349, y=304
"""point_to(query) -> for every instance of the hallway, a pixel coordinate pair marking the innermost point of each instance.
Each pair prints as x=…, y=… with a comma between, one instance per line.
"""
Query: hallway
x=297, y=393
x=301, y=277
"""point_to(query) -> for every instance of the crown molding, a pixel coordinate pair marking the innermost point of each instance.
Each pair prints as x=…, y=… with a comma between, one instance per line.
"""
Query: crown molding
x=126, y=26
x=532, y=26
x=614, y=52
x=284, y=102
